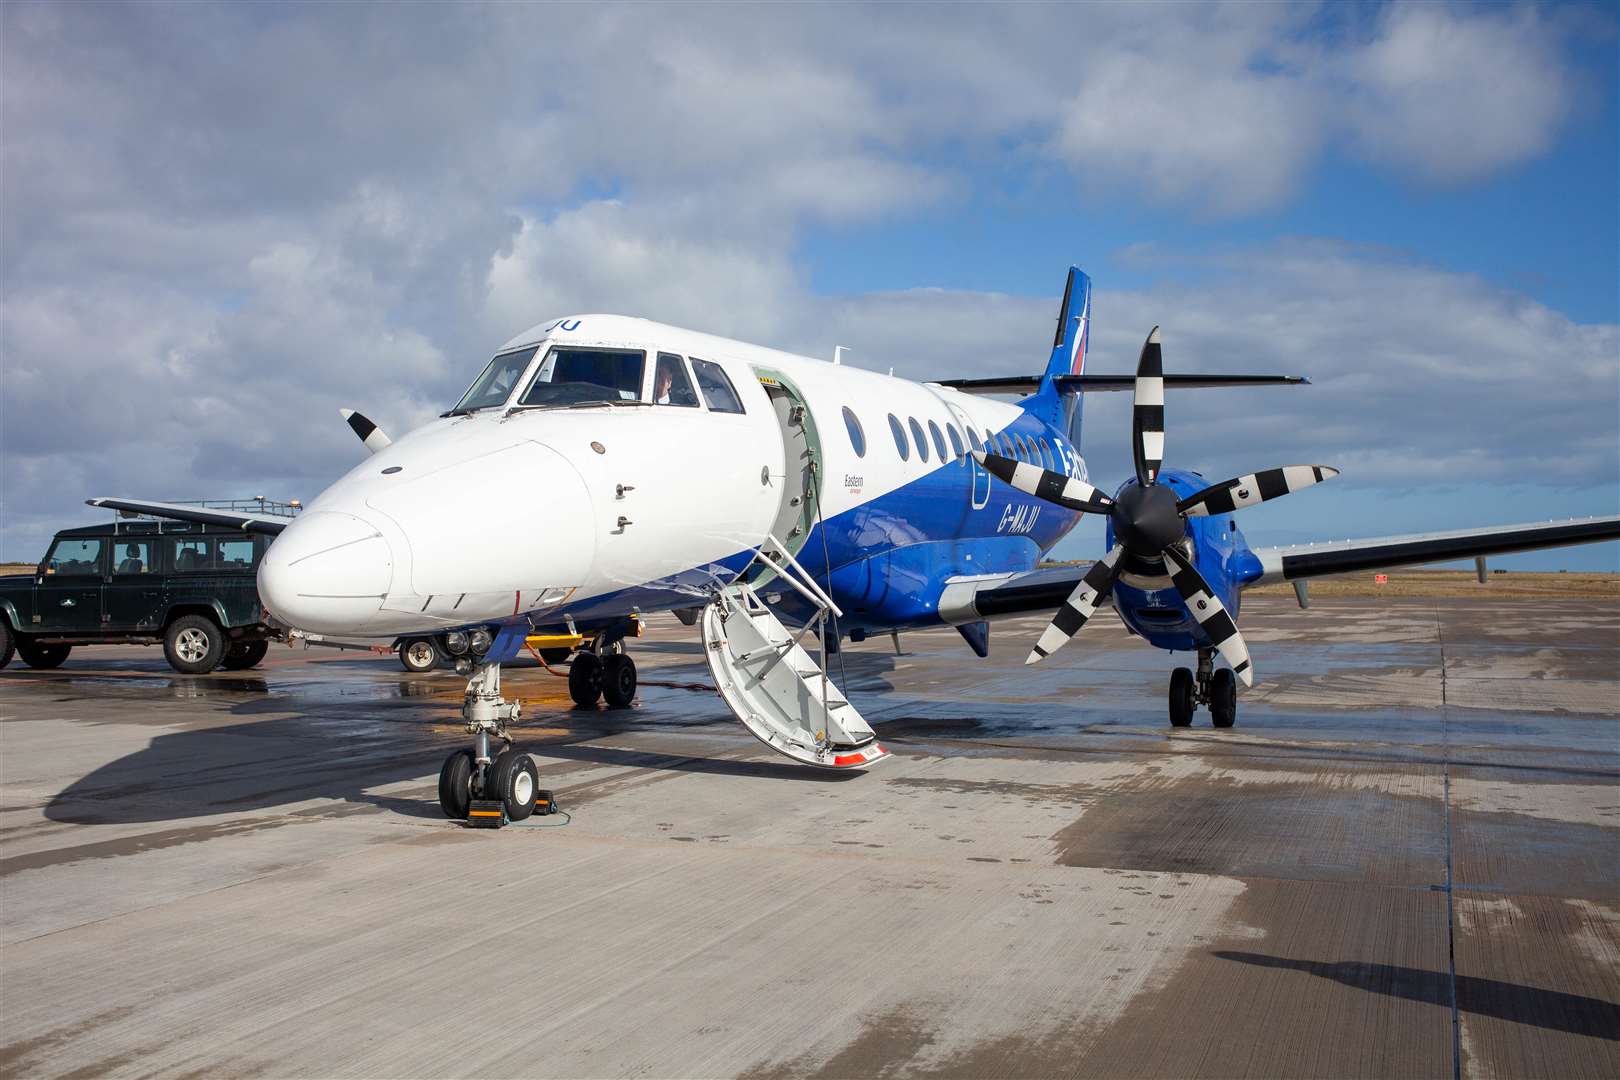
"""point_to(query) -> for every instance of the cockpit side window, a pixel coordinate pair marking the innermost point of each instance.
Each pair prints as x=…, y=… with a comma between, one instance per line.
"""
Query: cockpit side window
x=495, y=385
x=718, y=393
x=670, y=384
x=585, y=376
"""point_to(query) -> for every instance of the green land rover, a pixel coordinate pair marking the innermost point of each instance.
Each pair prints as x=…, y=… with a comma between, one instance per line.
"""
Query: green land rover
x=190, y=587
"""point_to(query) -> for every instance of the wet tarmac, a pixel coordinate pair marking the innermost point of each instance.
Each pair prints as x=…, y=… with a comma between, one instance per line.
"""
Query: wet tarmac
x=1404, y=860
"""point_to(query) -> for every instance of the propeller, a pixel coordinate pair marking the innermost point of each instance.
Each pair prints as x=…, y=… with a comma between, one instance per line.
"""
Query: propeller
x=370, y=434
x=1149, y=522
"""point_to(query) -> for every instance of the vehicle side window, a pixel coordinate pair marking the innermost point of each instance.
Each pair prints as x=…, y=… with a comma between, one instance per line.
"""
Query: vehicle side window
x=235, y=554
x=718, y=393
x=670, y=384
x=132, y=557
x=74, y=558
x=956, y=443
x=857, y=436
x=939, y=440
x=193, y=553
x=899, y=438
x=918, y=438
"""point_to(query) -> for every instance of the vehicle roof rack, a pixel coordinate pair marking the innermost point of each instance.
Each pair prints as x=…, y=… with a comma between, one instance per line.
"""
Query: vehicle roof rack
x=258, y=504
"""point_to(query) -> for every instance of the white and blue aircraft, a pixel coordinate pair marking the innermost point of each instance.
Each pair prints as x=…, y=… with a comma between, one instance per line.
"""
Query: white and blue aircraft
x=602, y=467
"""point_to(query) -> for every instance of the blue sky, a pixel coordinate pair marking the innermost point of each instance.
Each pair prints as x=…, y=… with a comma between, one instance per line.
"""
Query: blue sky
x=223, y=222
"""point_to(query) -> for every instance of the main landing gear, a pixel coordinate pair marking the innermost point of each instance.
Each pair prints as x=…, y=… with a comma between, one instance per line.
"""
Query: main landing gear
x=603, y=671
x=1217, y=689
x=480, y=782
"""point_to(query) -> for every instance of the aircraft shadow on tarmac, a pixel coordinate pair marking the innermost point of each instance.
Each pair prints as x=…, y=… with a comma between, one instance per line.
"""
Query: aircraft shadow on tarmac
x=345, y=752
x=1551, y=1009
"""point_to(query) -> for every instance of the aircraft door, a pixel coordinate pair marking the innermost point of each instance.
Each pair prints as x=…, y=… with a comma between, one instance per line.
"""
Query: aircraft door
x=799, y=481
x=980, y=483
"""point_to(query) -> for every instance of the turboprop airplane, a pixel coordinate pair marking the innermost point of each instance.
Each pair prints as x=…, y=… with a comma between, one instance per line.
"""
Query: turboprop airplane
x=601, y=467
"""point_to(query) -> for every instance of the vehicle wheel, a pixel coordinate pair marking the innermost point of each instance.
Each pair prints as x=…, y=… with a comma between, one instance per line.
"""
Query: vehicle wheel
x=42, y=656
x=455, y=784
x=244, y=654
x=585, y=679
x=1223, y=698
x=1181, y=697
x=8, y=644
x=619, y=680
x=194, y=645
x=514, y=780
x=419, y=655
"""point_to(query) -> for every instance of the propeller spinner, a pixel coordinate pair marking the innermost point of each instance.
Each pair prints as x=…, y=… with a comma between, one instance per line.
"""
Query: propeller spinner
x=1149, y=522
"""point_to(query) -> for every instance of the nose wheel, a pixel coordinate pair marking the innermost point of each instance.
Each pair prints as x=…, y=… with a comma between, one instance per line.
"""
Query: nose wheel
x=1217, y=689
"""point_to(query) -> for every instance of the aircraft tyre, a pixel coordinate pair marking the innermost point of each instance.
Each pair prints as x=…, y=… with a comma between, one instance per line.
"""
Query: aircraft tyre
x=513, y=779
x=42, y=656
x=8, y=644
x=619, y=680
x=455, y=784
x=244, y=654
x=1223, y=698
x=585, y=679
x=1182, y=699
x=194, y=645
x=418, y=655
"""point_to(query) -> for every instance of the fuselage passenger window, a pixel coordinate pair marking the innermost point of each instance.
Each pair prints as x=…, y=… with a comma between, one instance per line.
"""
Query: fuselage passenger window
x=899, y=438
x=918, y=437
x=670, y=384
x=956, y=443
x=857, y=436
x=495, y=385
x=718, y=393
x=1046, y=456
x=132, y=557
x=575, y=376
x=939, y=440
x=973, y=437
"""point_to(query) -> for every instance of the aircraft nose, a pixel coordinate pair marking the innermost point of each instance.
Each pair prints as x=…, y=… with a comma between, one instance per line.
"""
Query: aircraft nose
x=327, y=573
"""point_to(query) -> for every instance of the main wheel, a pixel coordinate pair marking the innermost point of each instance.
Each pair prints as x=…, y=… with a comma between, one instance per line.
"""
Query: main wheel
x=455, y=784
x=244, y=654
x=42, y=656
x=1182, y=700
x=419, y=655
x=585, y=679
x=194, y=644
x=8, y=644
x=619, y=680
x=1223, y=698
x=512, y=778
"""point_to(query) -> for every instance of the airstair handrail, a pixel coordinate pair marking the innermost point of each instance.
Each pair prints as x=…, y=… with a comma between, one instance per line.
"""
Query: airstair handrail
x=806, y=588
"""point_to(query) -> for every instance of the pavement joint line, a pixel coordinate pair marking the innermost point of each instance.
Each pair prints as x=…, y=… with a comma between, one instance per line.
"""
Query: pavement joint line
x=1451, y=901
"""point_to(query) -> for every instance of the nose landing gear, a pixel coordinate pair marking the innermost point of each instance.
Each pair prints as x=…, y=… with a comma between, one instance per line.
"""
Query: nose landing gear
x=478, y=781
x=1217, y=689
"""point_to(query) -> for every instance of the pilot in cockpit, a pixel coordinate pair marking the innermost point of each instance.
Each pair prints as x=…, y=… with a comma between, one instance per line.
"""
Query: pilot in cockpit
x=670, y=384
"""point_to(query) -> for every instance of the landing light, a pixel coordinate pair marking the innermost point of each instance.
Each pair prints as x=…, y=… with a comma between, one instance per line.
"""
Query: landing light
x=480, y=641
x=455, y=643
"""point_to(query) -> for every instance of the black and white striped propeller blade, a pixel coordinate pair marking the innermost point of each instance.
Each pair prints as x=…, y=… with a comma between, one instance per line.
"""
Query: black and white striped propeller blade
x=1147, y=412
x=1091, y=591
x=1054, y=487
x=1211, y=614
x=1254, y=488
x=369, y=433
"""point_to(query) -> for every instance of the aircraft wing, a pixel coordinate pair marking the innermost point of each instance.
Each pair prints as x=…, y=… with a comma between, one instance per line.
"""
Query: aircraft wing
x=1002, y=596
x=1379, y=552
x=268, y=524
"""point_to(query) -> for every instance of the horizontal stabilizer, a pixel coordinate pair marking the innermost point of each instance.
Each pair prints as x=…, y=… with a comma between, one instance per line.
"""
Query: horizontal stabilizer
x=1082, y=384
x=268, y=524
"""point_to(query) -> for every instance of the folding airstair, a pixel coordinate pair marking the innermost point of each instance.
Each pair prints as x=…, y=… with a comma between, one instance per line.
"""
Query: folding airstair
x=772, y=684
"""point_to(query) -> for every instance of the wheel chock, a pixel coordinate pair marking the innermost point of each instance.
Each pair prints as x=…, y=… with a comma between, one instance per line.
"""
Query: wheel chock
x=486, y=814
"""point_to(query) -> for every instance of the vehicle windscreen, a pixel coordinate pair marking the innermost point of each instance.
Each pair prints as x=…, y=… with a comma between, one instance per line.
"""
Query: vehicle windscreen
x=495, y=385
x=571, y=376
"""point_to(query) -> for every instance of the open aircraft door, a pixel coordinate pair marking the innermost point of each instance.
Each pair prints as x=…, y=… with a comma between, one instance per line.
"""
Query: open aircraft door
x=771, y=683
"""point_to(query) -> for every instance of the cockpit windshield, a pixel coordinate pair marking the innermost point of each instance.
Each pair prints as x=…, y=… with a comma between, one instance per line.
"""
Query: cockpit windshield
x=495, y=385
x=575, y=376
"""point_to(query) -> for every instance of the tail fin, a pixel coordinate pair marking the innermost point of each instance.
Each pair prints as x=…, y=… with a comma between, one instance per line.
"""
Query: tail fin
x=1061, y=405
